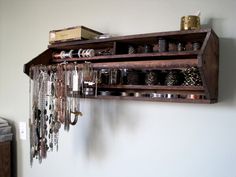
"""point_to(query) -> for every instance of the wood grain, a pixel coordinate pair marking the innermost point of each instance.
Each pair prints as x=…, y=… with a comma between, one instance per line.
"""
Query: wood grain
x=5, y=159
x=206, y=60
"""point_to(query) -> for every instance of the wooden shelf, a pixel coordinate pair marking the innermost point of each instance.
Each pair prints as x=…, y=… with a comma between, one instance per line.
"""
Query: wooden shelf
x=206, y=59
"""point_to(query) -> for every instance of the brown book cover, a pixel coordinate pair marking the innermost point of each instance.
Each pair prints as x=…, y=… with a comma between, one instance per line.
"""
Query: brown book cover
x=71, y=34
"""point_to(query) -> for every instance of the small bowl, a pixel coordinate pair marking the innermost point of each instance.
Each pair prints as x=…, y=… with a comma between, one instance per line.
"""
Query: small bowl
x=190, y=22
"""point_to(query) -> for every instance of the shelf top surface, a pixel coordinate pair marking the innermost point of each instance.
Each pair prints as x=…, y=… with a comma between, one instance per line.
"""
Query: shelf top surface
x=201, y=33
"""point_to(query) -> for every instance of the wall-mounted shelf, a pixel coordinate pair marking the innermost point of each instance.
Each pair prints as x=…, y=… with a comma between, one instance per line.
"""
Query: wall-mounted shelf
x=205, y=59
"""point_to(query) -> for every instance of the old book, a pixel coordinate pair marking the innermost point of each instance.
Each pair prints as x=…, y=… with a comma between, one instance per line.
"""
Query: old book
x=71, y=34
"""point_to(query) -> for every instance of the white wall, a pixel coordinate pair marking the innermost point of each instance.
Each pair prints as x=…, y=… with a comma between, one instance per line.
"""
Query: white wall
x=122, y=138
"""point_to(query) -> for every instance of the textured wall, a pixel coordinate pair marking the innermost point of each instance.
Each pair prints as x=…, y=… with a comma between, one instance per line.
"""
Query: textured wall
x=122, y=138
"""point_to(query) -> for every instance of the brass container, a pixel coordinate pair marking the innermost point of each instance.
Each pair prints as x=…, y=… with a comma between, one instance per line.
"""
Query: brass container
x=190, y=22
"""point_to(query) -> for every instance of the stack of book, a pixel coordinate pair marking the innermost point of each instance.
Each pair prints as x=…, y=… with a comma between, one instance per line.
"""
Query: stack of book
x=5, y=131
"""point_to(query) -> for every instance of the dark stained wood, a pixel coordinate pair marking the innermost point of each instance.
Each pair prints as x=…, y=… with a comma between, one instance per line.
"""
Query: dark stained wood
x=5, y=159
x=182, y=35
x=200, y=63
x=162, y=87
x=114, y=48
x=44, y=59
x=150, y=64
x=157, y=88
x=179, y=90
x=147, y=64
x=143, y=56
x=173, y=100
x=210, y=67
x=206, y=59
x=95, y=45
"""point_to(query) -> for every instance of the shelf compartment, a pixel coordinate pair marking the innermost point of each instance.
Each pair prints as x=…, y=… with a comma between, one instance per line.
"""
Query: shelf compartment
x=142, y=65
x=158, y=56
x=156, y=88
x=150, y=64
x=84, y=44
x=174, y=100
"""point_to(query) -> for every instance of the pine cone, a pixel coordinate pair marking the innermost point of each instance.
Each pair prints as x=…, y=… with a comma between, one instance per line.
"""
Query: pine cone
x=192, y=77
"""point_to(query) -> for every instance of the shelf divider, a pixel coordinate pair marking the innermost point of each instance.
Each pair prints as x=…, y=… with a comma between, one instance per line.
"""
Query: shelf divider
x=149, y=64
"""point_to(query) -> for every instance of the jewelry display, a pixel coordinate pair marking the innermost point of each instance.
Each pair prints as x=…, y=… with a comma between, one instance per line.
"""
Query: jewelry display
x=55, y=93
x=103, y=76
x=174, y=66
x=54, y=100
x=81, y=53
x=89, y=80
x=114, y=77
x=123, y=76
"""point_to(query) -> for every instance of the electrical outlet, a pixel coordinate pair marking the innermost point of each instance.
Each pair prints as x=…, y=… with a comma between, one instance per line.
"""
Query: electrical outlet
x=22, y=130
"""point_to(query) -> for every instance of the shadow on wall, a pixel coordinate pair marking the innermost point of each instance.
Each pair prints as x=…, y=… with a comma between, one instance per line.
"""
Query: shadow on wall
x=227, y=81
x=104, y=118
x=227, y=62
